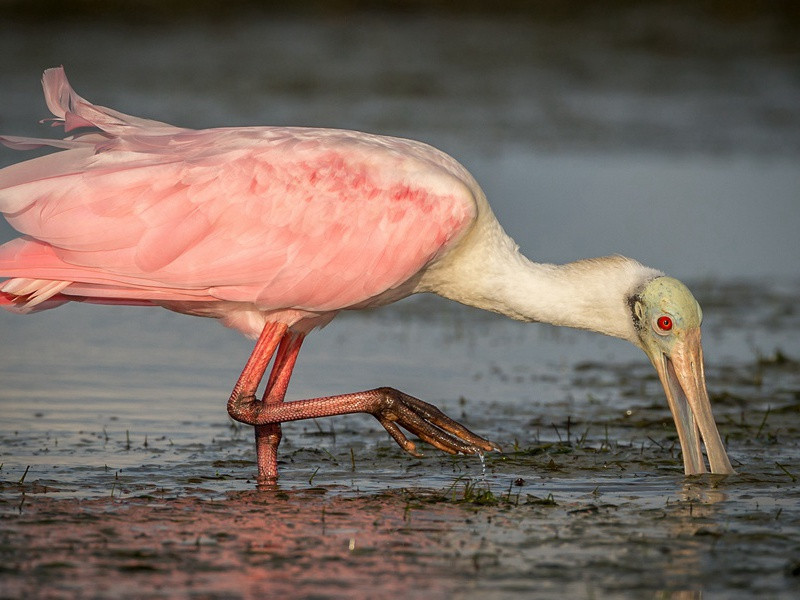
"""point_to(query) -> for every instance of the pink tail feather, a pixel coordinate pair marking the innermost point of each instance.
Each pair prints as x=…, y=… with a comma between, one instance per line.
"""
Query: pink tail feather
x=20, y=305
x=75, y=112
x=39, y=280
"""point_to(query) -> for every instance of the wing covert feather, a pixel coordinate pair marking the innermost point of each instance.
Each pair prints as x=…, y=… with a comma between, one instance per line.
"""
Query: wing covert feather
x=280, y=220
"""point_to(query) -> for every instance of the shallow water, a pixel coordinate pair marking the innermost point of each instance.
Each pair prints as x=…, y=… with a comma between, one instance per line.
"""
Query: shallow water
x=122, y=476
x=120, y=467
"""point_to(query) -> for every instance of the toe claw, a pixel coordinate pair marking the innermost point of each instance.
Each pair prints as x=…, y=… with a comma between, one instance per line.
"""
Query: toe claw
x=394, y=409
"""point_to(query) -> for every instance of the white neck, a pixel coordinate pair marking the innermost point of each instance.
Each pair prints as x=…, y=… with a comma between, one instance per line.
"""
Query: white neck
x=486, y=270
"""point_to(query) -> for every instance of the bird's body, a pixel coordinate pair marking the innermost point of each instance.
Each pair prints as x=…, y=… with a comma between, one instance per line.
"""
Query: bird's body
x=274, y=231
x=246, y=225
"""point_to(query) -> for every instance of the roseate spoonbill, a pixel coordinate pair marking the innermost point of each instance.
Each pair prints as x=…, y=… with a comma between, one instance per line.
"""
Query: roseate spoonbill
x=274, y=230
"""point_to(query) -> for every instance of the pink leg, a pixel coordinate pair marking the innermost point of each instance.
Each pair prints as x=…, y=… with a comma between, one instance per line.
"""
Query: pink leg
x=284, y=365
x=268, y=436
x=391, y=407
x=259, y=359
x=267, y=439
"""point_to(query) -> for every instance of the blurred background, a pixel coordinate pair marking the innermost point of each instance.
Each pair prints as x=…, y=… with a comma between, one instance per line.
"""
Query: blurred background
x=666, y=131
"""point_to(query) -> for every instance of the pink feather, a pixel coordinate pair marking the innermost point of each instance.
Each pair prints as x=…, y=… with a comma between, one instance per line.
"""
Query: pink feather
x=285, y=221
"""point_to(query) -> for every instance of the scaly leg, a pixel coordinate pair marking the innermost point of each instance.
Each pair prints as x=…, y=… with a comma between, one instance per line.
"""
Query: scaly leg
x=268, y=436
x=391, y=407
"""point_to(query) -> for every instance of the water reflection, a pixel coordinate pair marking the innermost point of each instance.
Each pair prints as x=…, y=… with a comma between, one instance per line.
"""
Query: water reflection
x=693, y=519
x=679, y=595
x=704, y=493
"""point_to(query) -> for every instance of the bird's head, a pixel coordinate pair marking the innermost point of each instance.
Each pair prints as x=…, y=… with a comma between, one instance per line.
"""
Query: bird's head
x=667, y=320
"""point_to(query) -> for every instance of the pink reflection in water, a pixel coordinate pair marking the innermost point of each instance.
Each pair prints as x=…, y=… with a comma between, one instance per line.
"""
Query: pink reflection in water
x=251, y=544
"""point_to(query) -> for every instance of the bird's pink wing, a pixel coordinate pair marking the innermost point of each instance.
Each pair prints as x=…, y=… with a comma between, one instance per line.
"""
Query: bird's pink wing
x=280, y=218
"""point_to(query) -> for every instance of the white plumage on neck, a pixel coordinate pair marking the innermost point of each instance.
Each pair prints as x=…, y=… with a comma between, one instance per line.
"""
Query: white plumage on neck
x=485, y=269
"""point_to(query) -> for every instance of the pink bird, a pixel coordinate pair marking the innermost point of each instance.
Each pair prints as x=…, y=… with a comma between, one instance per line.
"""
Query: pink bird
x=274, y=230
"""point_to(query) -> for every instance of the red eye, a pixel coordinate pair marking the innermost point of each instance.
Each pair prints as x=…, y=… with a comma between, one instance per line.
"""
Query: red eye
x=664, y=323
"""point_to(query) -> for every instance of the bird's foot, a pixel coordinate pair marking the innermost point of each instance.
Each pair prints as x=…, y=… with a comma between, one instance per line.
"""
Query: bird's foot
x=393, y=407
